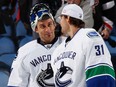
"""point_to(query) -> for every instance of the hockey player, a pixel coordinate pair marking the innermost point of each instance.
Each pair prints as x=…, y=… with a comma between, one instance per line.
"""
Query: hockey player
x=82, y=60
x=32, y=67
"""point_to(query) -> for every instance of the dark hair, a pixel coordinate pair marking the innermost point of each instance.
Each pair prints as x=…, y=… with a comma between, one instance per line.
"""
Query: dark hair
x=76, y=22
x=45, y=17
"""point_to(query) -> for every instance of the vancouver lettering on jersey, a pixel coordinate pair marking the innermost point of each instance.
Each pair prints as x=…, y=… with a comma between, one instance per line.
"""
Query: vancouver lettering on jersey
x=41, y=59
x=68, y=54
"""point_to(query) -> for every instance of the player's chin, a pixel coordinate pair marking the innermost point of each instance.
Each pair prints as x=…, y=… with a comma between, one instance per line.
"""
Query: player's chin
x=48, y=41
x=49, y=38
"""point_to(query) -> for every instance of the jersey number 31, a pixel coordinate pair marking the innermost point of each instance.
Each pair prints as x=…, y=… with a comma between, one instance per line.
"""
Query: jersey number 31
x=99, y=50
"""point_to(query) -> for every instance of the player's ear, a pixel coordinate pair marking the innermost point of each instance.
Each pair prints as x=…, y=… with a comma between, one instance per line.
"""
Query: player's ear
x=54, y=22
x=36, y=29
x=68, y=19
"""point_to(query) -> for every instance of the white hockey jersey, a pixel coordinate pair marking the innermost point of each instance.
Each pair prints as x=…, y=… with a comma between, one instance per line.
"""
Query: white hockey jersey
x=32, y=67
x=84, y=61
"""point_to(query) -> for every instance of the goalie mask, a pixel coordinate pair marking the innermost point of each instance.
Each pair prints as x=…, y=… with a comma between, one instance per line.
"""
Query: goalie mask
x=37, y=13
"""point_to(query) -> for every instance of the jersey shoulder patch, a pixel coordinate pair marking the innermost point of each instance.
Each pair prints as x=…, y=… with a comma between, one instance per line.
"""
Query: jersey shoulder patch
x=92, y=34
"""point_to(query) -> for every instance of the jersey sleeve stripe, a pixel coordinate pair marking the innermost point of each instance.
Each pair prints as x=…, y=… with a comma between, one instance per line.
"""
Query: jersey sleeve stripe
x=99, y=70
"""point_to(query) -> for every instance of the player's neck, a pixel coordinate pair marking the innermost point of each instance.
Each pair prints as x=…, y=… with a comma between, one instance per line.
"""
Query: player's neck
x=73, y=30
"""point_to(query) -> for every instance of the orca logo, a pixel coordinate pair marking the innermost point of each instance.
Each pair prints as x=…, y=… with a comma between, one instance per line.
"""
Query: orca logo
x=62, y=71
x=44, y=76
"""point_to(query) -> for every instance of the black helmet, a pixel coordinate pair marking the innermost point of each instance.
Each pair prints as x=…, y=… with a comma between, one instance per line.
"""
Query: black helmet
x=37, y=12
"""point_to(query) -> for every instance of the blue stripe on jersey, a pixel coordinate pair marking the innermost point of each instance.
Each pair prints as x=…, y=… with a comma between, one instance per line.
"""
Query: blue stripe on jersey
x=98, y=65
x=101, y=81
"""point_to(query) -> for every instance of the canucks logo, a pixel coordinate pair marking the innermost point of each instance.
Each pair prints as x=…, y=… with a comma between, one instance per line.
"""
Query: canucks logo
x=92, y=34
x=61, y=72
x=44, y=76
